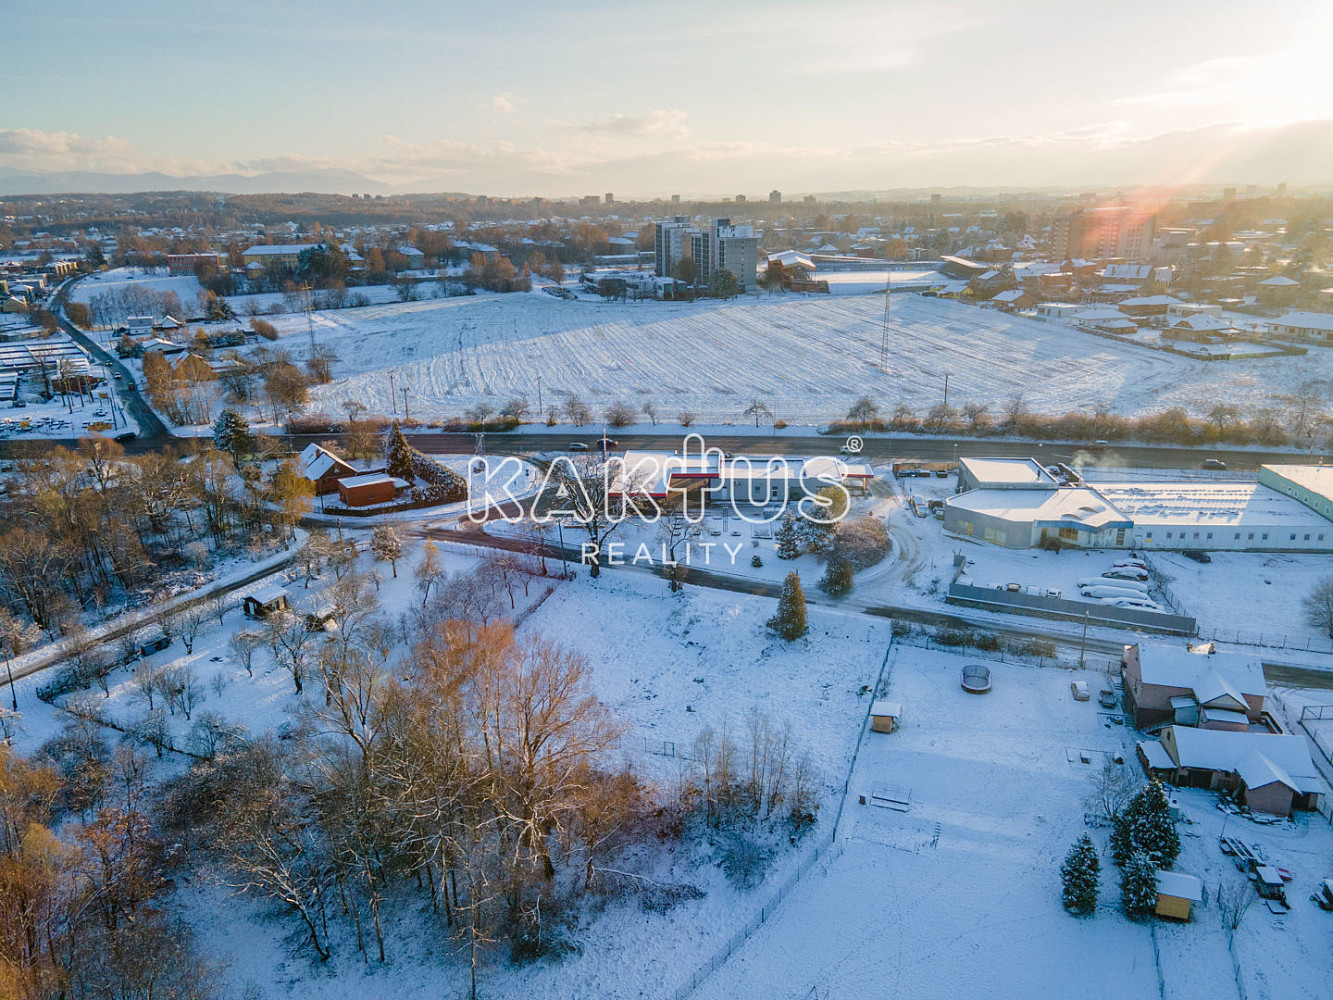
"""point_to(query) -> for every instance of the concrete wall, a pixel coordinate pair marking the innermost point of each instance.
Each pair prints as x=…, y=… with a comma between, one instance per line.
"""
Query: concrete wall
x=1273, y=798
x=1058, y=607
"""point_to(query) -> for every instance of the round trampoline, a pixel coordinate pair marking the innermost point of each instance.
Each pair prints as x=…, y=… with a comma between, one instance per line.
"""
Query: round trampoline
x=976, y=678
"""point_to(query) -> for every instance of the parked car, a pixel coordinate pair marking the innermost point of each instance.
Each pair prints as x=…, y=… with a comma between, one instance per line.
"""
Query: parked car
x=1214, y=463
x=1126, y=573
x=577, y=446
x=1198, y=555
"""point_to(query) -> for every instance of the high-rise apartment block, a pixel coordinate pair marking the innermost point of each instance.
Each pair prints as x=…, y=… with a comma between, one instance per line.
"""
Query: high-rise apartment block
x=723, y=246
x=1113, y=231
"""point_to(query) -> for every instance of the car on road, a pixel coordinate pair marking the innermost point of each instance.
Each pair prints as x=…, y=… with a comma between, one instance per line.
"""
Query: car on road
x=578, y=446
x=126, y=436
x=1214, y=463
x=848, y=450
x=1198, y=555
x=118, y=376
x=608, y=443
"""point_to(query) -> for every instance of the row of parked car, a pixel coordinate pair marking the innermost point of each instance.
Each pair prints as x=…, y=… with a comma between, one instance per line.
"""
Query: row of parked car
x=1124, y=585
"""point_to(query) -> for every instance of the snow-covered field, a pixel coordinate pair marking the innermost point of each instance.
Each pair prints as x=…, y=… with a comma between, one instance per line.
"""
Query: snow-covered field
x=806, y=358
x=960, y=895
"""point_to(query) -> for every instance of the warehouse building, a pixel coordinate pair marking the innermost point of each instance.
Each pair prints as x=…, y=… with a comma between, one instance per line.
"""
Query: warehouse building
x=1017, y=504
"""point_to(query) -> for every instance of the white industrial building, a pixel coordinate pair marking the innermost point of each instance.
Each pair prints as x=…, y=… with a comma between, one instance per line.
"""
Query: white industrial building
x=1017, y=504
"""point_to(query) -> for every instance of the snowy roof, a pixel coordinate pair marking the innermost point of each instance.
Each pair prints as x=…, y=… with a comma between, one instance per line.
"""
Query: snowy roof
x=1156, y=756
x=1306, y=320
x=1210, y=505
x=1315, y=478
x=1279, y=281
x=1075, y=507
x=316, y=462
x=269, y=594
x=1259, y=758
x=1201, y=322
x=277, y=249
x=368, y=479
x=1179, y=885
x=1009, y=295
x=1009, y=472
x=1225, y=715
x=881, y=709
x=1208, y=675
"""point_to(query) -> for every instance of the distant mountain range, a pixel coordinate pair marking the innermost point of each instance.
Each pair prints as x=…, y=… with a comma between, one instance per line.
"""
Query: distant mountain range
x=1299, y=153
x=85, y=182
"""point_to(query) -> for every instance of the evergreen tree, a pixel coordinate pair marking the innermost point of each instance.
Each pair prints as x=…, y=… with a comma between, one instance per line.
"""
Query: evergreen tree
x=398, y=455
x=1138, y=886
x=1080, y=874
x=789, y=622
x=1146, y=825
x=837, y=579
x=231, y=433
x=788, y=538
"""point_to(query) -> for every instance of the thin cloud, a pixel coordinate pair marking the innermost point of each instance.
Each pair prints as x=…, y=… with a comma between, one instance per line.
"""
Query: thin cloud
x=650, y=124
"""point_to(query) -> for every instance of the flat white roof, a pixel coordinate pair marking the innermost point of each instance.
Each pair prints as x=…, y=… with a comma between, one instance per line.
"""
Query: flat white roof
x=369, y=479
x=1180, y=885
x=1315, y=478
x=1211, y=504
x=883, y=708
x=1010, y=471
x=269, y=594
x=1074, y=507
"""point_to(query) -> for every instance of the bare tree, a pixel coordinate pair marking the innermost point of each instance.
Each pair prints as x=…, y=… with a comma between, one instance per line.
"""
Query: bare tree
x=190, y=622
x=243, y=644
x=291, y=643
x=1318, y=606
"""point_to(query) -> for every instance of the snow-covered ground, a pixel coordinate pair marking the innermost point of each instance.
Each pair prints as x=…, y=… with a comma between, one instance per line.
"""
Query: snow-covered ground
x=806, y=358
x=668, y=666
x=960, y=895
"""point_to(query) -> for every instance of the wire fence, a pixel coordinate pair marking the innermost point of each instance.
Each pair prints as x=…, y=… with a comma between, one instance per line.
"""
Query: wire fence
x=826, y=850
x=1273, y=640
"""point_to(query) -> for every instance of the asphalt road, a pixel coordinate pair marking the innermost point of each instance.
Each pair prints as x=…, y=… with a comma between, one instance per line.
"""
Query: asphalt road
x=926, y=448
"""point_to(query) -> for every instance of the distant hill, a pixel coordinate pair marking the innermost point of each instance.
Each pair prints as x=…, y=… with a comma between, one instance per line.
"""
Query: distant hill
x=84, y=182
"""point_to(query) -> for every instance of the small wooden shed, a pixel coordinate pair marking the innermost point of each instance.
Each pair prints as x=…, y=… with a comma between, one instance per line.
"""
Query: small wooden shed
x=266, y=601
x=1176, y=894
x=884, y=716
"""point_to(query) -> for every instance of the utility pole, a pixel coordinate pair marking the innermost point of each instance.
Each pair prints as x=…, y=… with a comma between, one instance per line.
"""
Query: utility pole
x=1083, y=647
x=539, y=395
x=393, y=397
x=407, y=414
x=309, y=320
x=946, y=390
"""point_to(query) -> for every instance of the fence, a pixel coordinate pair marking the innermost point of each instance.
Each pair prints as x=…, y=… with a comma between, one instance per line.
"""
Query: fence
x=1066, y=610
x=1162, y=585
x=1274, y=640
x=826, y=850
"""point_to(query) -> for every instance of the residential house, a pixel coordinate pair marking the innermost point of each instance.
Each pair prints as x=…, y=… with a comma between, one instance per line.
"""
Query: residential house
x=1297, y=325
x=1269, y=772
x=1174, y=684
x=322, y=468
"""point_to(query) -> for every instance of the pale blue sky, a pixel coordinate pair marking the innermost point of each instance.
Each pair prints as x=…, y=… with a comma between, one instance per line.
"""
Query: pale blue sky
x=648, y=98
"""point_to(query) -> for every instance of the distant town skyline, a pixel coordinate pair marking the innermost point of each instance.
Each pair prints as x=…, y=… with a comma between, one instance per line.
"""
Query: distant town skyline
x=706, y=101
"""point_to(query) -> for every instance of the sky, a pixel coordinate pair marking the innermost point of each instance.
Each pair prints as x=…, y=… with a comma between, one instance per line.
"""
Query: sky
x=531, y=98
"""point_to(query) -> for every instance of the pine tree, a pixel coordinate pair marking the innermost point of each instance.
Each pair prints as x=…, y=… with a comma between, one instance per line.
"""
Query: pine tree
x=789, y=622
x=231, y=433
x=398, y=455
x=1146, y=825
x=1079, y=874
x=837, y=579
x=788, y=538
x=1138, y=886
